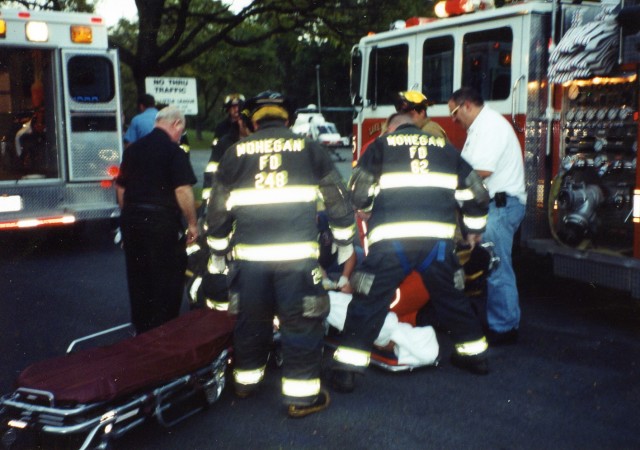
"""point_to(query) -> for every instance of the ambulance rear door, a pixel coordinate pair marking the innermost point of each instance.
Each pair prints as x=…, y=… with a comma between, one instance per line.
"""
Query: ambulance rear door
x=93, y=115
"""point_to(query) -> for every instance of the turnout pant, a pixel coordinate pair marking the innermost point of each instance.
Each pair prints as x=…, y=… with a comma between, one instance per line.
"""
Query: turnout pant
x=156, y=259
x=375, y=283
x=293, y=292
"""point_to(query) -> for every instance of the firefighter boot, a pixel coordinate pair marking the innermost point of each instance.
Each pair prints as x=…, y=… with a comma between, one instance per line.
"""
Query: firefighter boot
x=476, y=364
x=321, y=402
x=343, y=380
x=244, y=390
x=506, y=338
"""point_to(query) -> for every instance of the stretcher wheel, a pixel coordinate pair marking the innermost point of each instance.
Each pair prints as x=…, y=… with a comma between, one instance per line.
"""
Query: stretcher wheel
x=104, y=445
x=212, y=393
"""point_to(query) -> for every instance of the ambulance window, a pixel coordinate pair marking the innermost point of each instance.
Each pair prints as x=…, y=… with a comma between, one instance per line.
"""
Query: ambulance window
x=486, y=62
x=388, y=73
x=437, y=68
x=91, y=79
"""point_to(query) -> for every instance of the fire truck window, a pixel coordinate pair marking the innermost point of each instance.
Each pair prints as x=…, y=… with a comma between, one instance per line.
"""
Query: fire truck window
x=388, y=74
x=487, y=62
x=437, y=69
x=91, y=79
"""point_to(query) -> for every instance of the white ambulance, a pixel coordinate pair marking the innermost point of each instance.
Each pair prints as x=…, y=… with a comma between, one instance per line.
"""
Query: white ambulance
x=60, y=119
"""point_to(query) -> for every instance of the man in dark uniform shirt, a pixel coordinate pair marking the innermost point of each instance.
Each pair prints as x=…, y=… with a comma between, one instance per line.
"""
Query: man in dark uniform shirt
x=230, y=125
x=154, y=191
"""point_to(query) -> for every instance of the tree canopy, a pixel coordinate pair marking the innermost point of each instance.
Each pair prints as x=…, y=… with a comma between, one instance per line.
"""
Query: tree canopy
x=274, y=44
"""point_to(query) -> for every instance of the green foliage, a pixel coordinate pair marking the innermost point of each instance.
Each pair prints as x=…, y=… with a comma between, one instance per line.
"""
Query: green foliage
x=269, y=44
x=199, y=144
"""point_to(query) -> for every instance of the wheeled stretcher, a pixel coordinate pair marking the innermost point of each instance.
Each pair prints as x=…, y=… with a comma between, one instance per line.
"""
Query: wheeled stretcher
x=93, y=396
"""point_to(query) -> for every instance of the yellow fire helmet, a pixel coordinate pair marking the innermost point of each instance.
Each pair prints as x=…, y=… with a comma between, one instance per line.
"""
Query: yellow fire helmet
x=412, y=100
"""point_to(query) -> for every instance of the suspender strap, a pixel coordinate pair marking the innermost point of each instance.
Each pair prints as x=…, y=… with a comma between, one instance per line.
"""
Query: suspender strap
x=437, y=253
x=404, y=262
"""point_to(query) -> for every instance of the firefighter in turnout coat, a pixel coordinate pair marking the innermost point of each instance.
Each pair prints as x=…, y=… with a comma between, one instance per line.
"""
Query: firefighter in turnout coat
x=263, y=211
x=412, y=183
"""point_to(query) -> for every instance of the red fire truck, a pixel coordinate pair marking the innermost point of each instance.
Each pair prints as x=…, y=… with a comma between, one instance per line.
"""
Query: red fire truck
x=60, y=119
x=566, y=75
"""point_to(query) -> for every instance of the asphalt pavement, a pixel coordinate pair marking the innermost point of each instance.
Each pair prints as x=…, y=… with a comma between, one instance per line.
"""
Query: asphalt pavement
x=571, y=382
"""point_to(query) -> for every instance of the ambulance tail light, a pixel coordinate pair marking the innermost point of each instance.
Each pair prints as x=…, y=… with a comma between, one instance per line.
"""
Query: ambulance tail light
x=37, y=222
x=113, y=171
x=37, y=31
x=81, y=34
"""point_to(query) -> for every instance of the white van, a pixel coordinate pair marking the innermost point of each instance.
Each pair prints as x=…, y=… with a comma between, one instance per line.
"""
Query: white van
x=311, y=123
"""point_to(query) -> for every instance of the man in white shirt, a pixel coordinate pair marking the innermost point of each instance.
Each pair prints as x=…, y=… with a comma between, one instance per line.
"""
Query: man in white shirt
x=493, y=150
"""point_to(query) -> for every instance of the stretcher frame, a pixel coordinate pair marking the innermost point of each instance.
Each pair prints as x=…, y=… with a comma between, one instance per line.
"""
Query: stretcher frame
x=36, y=413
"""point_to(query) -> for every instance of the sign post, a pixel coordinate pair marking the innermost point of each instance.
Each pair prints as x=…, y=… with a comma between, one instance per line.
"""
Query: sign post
x=179, y=92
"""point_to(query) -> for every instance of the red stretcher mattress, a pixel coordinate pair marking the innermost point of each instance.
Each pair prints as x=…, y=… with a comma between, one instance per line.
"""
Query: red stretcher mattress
x=151, y=359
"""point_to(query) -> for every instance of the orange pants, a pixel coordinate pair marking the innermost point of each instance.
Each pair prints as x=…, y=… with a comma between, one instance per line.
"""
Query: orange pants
x=410, y=297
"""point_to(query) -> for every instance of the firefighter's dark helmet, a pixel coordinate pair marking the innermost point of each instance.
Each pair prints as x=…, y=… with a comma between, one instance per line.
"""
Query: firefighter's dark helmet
x=411, y=100
x=269, y=105
x=233, y=99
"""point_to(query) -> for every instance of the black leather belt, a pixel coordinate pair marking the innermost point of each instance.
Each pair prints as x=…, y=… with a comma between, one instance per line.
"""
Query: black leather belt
x=150, y=207
x=501, y=199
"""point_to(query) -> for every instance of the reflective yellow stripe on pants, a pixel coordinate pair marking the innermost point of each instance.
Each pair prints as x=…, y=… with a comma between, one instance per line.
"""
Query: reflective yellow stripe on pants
x=248, y=377
x=300, y=388
x=473, y=347
x=352, y=356
x=217, y=305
